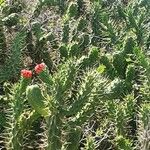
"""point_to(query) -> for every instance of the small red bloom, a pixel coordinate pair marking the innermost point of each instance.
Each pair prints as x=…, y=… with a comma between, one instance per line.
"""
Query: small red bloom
x=39, y=68
x=26, y=73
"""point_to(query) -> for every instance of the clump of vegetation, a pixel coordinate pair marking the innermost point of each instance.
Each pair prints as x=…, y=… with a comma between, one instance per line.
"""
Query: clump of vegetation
x=74, y=74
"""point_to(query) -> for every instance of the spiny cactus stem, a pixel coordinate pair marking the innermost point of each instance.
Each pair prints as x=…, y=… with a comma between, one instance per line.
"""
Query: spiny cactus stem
x=25, y=123
x=46, y=78
x=17, y=111
x=23, y=84
x=17, y=138
x=18, y=104
x=54, y=124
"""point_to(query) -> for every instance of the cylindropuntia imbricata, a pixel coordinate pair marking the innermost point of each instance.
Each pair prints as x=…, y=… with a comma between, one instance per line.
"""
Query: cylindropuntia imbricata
x=62, y=116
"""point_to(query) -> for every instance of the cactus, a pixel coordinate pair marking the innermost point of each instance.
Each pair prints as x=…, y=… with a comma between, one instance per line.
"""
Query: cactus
x=84, y=42
x=54, y=132
x=110, y=70
x=94, y=54
x=41, y=45
x=96, y=16
x=123, y=143
x=120, y=64
x=129, y=46
x=11, y=20
x=63, y=50
x=73, y=91
x=60, y=3
x=121, y=12
x=143, y=60
x=121, y=113
x=12, y=66
x=130, y=73
x=132, y=21
x=73, y=138
x=36, y=100
x=36, y=29
x=117, y=89
x=82, y=25
x=72, y=10
x=144, y=127
x=59, y=86
x=30, y=45
x=74, y=50
x=34, y=50
x=90, y=143
x=3, y=47
x=65, y=33
x=16, y=7
x=14, y=134
x=91, y=60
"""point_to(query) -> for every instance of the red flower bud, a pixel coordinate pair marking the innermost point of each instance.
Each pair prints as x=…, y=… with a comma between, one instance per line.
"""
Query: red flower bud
x=39, y=68
x=26, y=73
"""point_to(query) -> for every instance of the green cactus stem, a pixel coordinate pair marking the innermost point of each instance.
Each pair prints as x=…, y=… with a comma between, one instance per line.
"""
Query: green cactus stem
x=121, y=12
x=36, y=100
x=130, y=73
x=129, y=46
x=117, y=89
x=84, y=42
x=3, y=46
x=110, y=70
x=16, y=7
x=11, y=20
x=74, y=50
x=14, y=134
x=73, y=138
x=72, y=10
x=46, y=77
x=66, y=30
x=82, y=25
x=83, y=98
x=123, y=143
x=120, y=64
x=54, y=124
x=63, y=50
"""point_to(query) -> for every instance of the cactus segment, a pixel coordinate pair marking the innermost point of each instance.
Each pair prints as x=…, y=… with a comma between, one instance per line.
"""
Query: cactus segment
x=54, y=133
x=120, y=64
x=74, y=50
x=11, y=20
x=65, y=34
x=63, y=50
x=73, y=138
x=36, y=100
x=72, y=10
x=3, y=46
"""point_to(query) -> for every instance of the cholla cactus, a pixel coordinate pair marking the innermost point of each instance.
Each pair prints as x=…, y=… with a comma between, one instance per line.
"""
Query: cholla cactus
x=90, y=143
x=12, y=66
x=15, y=128
x=123, y=143
x=11, y=20
x=143, y=61
x=144, y=127
x=70, y=95
x=3, y=46
x=64, y=110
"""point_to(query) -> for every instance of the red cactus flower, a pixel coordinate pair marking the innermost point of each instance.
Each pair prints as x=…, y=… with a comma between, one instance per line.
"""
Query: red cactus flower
x=39, y=68
x=26, y=73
